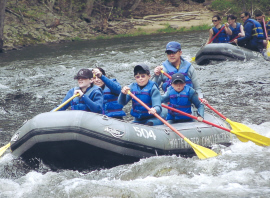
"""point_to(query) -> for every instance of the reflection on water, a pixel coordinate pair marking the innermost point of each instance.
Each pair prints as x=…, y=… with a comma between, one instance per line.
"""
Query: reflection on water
x=35, y=80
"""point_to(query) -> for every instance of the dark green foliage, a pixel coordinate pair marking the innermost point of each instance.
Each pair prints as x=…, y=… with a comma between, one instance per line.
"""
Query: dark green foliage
x=237, y=6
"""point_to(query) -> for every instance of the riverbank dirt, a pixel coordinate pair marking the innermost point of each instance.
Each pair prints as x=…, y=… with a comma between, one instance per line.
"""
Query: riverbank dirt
x=24, y=29
x=159, y=15
x=199, y=18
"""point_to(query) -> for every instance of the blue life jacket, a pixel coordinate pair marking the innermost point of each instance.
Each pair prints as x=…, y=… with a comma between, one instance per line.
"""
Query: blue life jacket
x=257, y=30
x=222, y=37
x=78, y=103
x=144, y=95
x=179, y=101
x=235, y=31
x=111, y=107
x=184, y=67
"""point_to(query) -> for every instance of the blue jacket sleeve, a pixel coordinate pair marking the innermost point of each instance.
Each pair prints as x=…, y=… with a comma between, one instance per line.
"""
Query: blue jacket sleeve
x=94, y=101
x=69, y=94
x=195, y=80
x=112, y=84
x=165, y=97
x=123, y=99
x=193, y=98
x=161, y=78
x=248, y=33
x=156, y=99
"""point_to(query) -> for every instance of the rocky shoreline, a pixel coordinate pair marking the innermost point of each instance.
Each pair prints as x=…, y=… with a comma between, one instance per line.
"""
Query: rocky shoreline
x=43, y=26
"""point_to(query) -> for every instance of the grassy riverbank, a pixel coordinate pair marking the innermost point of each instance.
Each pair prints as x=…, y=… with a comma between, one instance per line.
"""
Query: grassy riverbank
x=167, y=29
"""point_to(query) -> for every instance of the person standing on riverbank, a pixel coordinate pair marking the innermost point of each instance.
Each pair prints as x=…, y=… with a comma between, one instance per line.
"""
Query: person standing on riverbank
x=91, y=96
x=253, y=38
x=177, y=64
x=223, y=36
x=236, y=28
x=111, y=90
x=147, y=91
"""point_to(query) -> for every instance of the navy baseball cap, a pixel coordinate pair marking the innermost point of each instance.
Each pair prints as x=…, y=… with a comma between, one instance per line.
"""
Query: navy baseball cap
x=173, y=46
x=141, y=66
x=178, y=76
x=84, y=73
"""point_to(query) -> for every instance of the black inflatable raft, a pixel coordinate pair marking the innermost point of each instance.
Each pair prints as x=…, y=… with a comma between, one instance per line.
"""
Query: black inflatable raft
x=65, y=138
x=222, y=52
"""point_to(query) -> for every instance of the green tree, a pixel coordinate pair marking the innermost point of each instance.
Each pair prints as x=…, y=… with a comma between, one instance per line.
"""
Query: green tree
x=238, y=6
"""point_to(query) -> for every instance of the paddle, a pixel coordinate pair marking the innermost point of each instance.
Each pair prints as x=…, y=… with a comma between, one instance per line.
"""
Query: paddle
x=4, y=148
x=268, y=42
x=241, y=127
x=243, y=136
x=234, y=39
x=216, y=35
x=268, y=49
x=201, y=151
x=194, y=58
x=67, y=101
x=166, y=74
x=238, y=127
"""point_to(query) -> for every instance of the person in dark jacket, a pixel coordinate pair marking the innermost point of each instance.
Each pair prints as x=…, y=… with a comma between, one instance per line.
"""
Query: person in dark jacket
x=111, y=90
x=147, y=91
x=253, y=38
x=181, y=96
x=91, y=96
x=259, y=17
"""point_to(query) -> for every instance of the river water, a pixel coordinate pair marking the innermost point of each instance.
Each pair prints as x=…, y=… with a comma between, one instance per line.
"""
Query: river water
x=35, y=80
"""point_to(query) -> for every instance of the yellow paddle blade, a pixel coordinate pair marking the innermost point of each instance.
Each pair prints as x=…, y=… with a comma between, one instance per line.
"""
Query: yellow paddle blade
x=193, y=59
x=245, y=134
x=201, y=151
x=268, y=49
x=239, y=127
x=258, y=139
x=3, y=149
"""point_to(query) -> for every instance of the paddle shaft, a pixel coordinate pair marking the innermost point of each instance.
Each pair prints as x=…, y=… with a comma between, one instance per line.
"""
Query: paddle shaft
x=216, y=35
x=194, y=117
x=234, y=39
x=194, y=58
x=155, y=114
x=212, y=108
x=166, y=74
x=264, y=26
x=67, y=101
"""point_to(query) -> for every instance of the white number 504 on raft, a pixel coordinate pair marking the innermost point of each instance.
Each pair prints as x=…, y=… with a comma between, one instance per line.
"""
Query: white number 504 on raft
x=141, y=132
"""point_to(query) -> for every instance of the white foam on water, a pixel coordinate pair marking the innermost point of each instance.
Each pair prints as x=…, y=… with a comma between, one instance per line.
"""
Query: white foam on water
x=6, y=158
x=3, y=86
